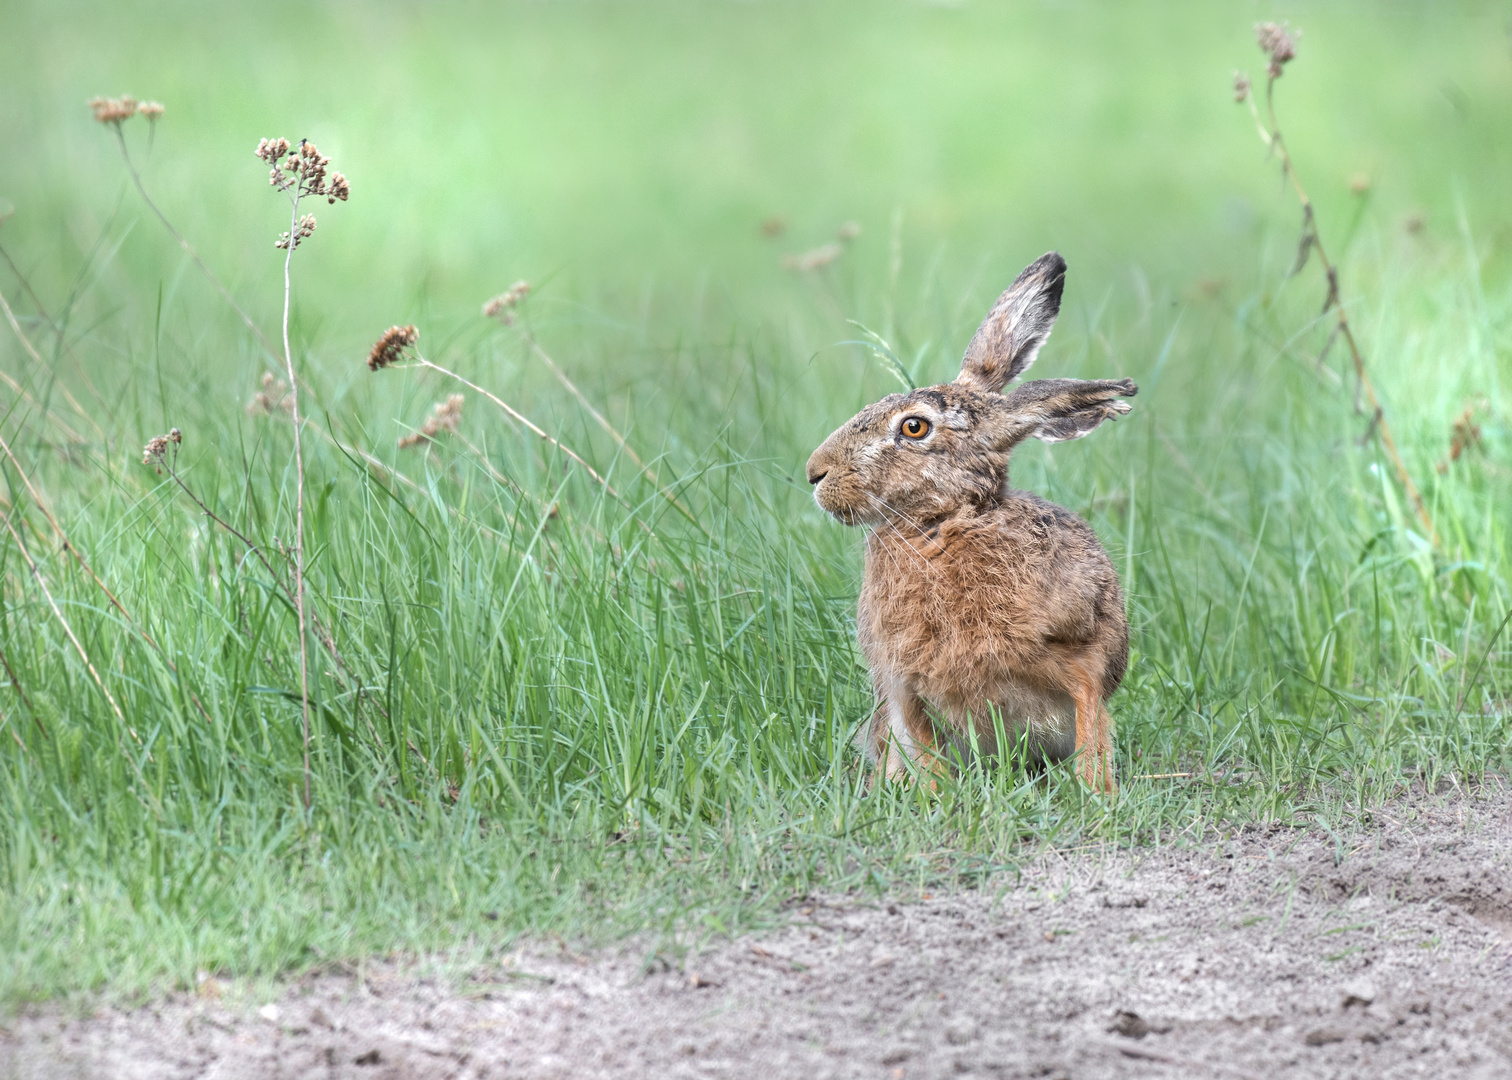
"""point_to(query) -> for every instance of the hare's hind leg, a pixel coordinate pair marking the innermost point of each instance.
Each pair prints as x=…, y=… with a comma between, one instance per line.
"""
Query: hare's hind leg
x=1094, y=735
x=907, y=736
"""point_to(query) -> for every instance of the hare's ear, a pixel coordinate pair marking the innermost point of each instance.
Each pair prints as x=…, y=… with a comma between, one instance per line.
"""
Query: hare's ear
x=1011, y=335
x=1054, y=410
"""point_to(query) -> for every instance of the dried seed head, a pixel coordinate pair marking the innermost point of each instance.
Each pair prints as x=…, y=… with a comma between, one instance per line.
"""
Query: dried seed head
x=302, y=232
x=1241, y=87
x=389, y=349
x=446, y=416
x=303, y=171
x=273, y=397
x=151, y=110
x=270, y=150
x=114, y=110
x=1466, y=434
x=502, y=307
x=1279, y=42
x=155, y=453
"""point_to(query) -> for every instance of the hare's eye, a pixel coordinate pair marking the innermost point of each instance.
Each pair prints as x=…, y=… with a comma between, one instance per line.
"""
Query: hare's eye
x=914, y=428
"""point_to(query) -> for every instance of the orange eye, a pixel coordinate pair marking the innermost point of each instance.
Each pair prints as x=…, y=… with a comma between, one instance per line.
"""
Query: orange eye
x=914, y=428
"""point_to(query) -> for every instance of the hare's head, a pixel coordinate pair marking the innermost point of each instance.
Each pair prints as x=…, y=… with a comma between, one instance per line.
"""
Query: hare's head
x=919, y=457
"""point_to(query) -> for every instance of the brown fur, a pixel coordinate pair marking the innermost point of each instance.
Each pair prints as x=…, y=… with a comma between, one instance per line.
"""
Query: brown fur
x=981, y=603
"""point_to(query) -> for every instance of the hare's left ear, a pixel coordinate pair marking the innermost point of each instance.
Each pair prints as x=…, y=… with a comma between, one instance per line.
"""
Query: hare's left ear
x=1054, y=410
x=1011, y=335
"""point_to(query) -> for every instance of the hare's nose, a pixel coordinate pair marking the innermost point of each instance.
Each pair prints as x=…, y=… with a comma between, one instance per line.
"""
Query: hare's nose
x=818, y=464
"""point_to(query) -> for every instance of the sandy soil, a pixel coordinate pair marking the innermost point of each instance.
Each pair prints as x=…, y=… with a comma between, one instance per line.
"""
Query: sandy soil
x=1382, y=952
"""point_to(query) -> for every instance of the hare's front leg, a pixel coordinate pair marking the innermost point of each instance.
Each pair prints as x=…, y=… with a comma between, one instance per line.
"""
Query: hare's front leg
x=1094, y=735
x=902, y=733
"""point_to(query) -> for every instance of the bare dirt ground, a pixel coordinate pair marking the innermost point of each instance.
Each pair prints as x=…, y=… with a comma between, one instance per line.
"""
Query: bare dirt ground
x=1384, y=951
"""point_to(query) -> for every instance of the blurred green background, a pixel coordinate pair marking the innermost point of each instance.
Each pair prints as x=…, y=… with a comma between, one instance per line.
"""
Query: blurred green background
x=578, y=714
x=631, y=149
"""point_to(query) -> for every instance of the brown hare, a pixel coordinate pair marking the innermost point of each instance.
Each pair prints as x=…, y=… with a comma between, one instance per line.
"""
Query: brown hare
x=980, y=602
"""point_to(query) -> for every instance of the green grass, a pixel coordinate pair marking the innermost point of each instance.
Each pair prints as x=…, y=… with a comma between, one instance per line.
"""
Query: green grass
x=614, y=717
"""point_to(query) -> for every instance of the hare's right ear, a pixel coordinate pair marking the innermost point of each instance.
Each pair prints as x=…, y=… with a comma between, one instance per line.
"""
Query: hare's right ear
x=1011, y=335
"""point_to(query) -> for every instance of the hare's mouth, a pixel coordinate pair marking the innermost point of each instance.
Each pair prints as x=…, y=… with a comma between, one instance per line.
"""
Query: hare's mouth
x=839, y=508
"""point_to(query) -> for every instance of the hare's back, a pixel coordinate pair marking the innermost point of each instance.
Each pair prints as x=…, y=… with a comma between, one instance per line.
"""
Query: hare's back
x=1062, y=570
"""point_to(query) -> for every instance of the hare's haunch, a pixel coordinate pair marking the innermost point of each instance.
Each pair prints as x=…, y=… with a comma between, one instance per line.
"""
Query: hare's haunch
x=983, y=608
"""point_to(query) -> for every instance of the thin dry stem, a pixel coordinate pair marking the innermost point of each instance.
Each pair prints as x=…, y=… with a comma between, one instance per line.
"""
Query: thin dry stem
x=10, y=317
x=521, y=418
x=62, y=536
x=603, y=422
x=166, y=462
x=299, y=587
x=36, y=573
x=188, y=249
x=78, y=556
x=79, y=371
x=1272, y=137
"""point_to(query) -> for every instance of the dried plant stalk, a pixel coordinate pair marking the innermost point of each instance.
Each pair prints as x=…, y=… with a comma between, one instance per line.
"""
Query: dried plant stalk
x=399, y=341
x=115, y=112
x=299, y=172
x=503, y=308
x=20, y=391
x=1279, y=44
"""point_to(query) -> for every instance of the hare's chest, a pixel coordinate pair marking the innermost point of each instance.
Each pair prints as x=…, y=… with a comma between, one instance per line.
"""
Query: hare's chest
x=928, y=602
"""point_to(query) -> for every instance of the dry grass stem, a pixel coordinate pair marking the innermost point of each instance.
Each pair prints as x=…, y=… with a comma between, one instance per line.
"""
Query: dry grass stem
x=80, y=371
x=503, y=308
x=10, y=317
x=83, y=563
x=299, y=173
x=36, y=573
x=108, y=114
x=399, y=341
x=161, y=453
x=1278, y=42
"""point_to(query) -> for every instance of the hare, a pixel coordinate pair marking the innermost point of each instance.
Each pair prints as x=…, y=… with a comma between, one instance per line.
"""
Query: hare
x=982, y=609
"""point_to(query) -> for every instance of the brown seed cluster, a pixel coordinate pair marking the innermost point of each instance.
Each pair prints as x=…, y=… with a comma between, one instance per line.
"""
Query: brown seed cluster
x=302, y=232
x=1279, y=42
x=302, y=170
x=446, y=416
x=389, y=349
x=1241, y=87
x=272, y=398
x=1465, y=434
x=502, y=307
x=155, y=453
x=113, y=110
x=118, y=110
